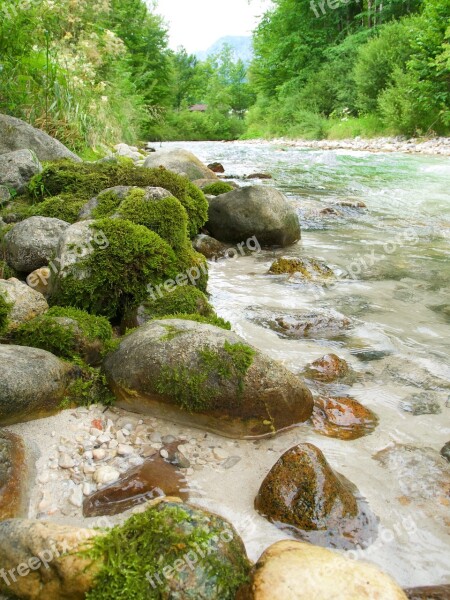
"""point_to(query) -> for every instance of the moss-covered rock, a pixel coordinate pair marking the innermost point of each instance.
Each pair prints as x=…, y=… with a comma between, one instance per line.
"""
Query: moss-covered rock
x=65, y=207
x=309, y=269
x=217, y=188
x=5, y=308
x=172, y=550
x=184, y=299
x=6, y=272
x=211, y=320
x=112, y=274
x=86, y=180
x=68, y=333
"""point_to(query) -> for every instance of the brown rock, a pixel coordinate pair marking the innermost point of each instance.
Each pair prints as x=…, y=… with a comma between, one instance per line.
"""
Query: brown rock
x=209, y=247
x=259, y=176
x=216, y=167
x=304, y=495
x=290, y=570
x=327, y=369
x=13, y=476
x=342, y=418
x=434, y=592
x=309, y=269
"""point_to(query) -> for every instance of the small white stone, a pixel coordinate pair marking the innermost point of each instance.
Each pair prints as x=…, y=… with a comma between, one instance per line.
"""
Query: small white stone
x=113, y=444
x=44, y=477
x=120, y=437
x=155, y=437
x=76, y=499
x=88, y=469
x=87, y=489
x=220, y=454
x=135, y=461
x=164, y=453
x=104, y=438
x=126, y=432
x=106, y=474
x=66, y=461
x=124, y=450
x=53, y=433
x=99, y=454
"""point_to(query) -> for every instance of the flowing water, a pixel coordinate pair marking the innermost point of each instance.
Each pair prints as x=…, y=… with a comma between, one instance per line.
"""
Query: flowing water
x=393, y=280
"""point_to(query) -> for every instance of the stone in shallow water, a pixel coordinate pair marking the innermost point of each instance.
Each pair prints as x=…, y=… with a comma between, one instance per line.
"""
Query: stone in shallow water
x=303, y=495
x=445, y=451
x=424, y=403
x=153, y=479
x=369, y=355
x=13, y=477
x=290, y=570
x=342, y=418
x=309, y=269
x=328, y=368
x=434, y=592
x=315, y=323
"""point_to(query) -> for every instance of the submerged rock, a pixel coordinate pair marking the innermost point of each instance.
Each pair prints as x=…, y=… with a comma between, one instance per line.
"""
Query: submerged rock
x=13, y=477
x=303, y=495
x=216, y=167
x=43, y=558
x=328, y=368
x=32, y=243
x=308, y=269
x=423, y=403
x=295, y=325
x=26, y=302
x=254, y=211
x=206, y=377
x=153, y=479
x=445, y=451
x=182, y=162
x=433, y=592
x=18, y=135
x=290, y=570
x=33, y=383
x=342, y=418
x=210, y=247
x=17, y=168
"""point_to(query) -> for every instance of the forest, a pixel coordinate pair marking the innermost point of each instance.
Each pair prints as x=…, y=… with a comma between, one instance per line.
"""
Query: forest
x=95, y=72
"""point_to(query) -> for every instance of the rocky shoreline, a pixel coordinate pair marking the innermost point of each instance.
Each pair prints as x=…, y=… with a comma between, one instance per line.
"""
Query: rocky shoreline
x=434, y=146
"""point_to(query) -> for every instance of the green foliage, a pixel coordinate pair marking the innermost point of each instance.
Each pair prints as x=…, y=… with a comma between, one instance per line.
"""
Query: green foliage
x=88, y=386
x=65, y=207
x=148, y=543
x=209, y=320
x=66, y=332
x=6, y=271
x=197, y=389
x=196, y=126
x=5, y=308
x=86, y=180
x=215, y=189
x=184, y=299
x=112, y=280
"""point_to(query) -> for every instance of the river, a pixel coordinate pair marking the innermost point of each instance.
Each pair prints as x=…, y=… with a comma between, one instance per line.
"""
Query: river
x=392, y=262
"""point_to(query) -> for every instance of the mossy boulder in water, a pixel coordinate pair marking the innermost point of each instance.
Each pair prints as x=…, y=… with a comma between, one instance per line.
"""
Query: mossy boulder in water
x=33, y=383
x=87, y=180
x=67, y=332
x=303, y=495
x=106, y=266
x=206, y=377
x=308, y=269
x=209, y=247
x=217, y=188
x=290, y=570
x=172, y=550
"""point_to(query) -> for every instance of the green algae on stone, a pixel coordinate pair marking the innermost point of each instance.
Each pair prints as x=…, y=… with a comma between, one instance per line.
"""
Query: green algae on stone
x=309, y=268
x=210, y=320
x=217, y=188
x=172, y=550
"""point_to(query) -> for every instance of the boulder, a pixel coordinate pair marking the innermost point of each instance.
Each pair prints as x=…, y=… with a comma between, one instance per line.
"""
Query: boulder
x=303, y=495
x=290, y=570
x=206, y=377
x=181, y=162
x=13, y=477
x=17, y=168
x=342, y=417
x=328, y=368
x=40, y=560
x=5, y=195
x=209, y=247
x=299, y=324
x=128, y=152
x=32, y=243
x=216, y=167
x=26, y=302
x=257, y=211
x=33, y=383
x=307, y=269
x=18, y=135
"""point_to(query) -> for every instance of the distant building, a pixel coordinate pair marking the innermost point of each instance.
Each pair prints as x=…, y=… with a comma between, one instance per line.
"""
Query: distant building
x=198, y=108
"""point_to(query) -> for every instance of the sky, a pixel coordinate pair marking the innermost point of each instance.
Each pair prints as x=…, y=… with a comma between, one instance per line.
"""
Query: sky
x=197, y=24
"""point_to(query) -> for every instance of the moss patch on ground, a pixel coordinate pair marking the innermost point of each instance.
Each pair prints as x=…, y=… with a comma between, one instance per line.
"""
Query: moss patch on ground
x=113, y=280
x=145, y=558
x=197, y=388
x=217, y=188
x=184, y=299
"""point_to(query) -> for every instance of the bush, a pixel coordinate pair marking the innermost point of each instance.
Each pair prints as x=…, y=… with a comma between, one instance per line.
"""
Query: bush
x=66, y=332
x=112, y=280
x=218, y=188
x=86, y=180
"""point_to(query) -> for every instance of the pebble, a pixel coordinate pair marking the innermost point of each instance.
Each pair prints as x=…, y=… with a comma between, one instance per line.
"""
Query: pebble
x=76, y=499
x=113, y=444
x=120, y=437
x=220, y=454
x=104, y=438
x=231, y=462
x=66, y=461
x=155, y=437
x=169, y=439
x=106, y=474
x=99, y=454
x=124, y=450
x=88, y=469
x=148, y=451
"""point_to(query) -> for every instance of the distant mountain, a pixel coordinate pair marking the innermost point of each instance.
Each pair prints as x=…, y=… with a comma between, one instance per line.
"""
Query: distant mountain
x=242, y=46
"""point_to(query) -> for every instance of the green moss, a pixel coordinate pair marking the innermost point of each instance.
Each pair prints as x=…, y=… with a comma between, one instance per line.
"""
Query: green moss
x=86, y=180
x=107, y=204
x=88, y=386
x=197, y=389
x=211, y=320
x=5, y=308
x=111, y=281
x=183, y=299
x=215, y=189
x=307, y=267
x=137, y=555
x=66, y=332
x=6, y=271
x=65, y=207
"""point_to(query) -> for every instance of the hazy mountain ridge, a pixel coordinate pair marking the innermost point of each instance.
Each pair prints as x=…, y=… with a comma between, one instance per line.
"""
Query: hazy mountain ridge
x=242, y=46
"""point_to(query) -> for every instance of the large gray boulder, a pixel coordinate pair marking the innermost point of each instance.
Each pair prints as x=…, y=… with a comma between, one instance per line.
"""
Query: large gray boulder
x=26, y=302
x=254, y=211
x=18, y=135
x=205, y=377
x=17, y=168
x=32, y=383
x=182, y=162
x=32, y=243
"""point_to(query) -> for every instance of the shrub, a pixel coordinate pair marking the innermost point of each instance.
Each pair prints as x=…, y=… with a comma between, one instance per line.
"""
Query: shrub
x=111, y=280
x=86, y=180
x=215, y=189
x=66, y=332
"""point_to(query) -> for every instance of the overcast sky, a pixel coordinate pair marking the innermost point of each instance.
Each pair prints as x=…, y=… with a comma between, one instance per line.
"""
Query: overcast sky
x=196, y=24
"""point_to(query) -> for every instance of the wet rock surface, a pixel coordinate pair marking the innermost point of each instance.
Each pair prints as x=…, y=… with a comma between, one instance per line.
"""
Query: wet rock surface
x=14, y=473
x=435, y=592
x=308, y=269
x=303, y=495
x=210, y=247
x=207, y=377
x=342, y=417
x=290, y=570
x=422, y=403
x=329, y=368
x=294, y=325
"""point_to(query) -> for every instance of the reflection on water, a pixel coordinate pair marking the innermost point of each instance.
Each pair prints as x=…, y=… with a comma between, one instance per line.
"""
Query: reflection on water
x=392, y=262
